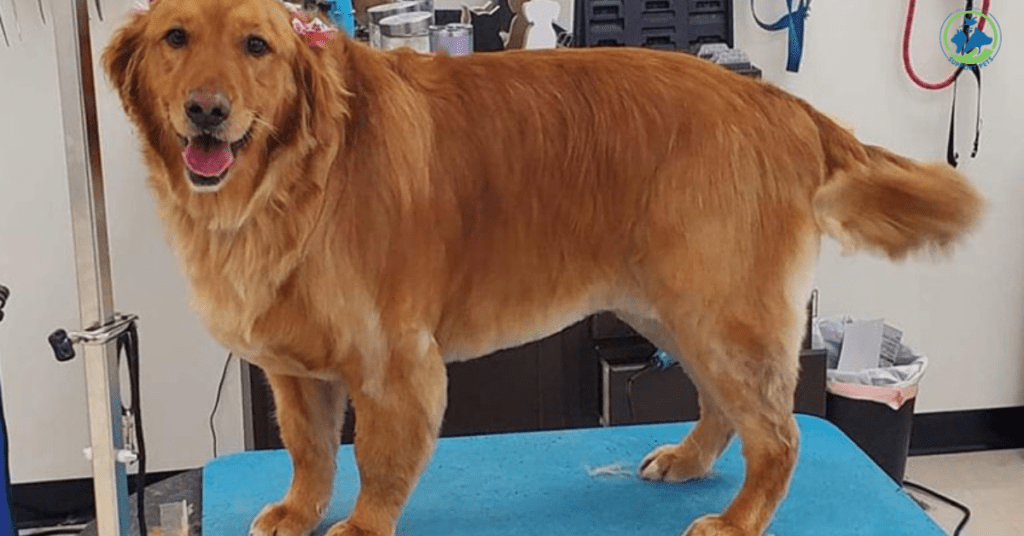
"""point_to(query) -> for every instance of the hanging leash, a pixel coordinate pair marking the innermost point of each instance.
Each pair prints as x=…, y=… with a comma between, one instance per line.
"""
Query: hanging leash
x=793, y=21
x=123, y=330
x=908, y=28
x=952, y=157
x=128, y=343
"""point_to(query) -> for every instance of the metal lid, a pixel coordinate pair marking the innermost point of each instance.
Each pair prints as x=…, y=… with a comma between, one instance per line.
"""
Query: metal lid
x=382, y=11
x=453, y=29
x=406, y=24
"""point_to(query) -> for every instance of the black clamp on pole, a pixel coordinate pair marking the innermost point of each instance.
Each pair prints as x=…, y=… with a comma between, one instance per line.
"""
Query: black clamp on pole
x=63, y=343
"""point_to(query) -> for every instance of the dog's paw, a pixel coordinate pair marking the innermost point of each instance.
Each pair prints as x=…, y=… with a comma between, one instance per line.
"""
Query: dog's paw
x=346, y=528
x=282, y=519
x=673, y=463
x=714, y=526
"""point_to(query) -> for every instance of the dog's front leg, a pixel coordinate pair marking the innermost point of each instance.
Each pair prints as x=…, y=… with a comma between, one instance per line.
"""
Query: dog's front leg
x=397, y=424
x=310, y=414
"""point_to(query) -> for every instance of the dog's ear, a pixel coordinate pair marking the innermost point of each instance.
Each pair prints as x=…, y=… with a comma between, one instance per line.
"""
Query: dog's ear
x=121, y=61
x=322, y=93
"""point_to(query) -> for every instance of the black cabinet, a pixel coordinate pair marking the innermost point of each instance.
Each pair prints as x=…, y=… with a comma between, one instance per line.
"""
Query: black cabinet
x=548, y=384
x=544, y=385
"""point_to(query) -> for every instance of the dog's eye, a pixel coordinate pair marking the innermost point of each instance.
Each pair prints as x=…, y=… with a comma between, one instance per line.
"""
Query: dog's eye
x=255, y=46
x=176, y=37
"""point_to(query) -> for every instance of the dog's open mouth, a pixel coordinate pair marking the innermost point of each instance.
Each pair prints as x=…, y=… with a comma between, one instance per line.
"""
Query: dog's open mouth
x=208, y=158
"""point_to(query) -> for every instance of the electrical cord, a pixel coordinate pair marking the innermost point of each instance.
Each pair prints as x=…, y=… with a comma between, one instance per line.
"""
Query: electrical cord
x=629, y=390
x=955, y=504
x=216, y=402
x=654, y=363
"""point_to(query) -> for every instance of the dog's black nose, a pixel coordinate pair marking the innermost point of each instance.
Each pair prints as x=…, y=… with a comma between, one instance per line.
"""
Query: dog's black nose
x=207, y=109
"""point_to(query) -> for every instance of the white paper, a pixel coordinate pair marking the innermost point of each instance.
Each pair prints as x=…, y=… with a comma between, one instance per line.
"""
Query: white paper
x=862, y=345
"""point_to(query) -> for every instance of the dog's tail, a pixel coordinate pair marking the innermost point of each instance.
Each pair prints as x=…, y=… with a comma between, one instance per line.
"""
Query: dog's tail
x=874, y=200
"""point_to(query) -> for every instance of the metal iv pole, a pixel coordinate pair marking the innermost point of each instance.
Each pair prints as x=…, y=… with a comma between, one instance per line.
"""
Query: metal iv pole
x=101, y=324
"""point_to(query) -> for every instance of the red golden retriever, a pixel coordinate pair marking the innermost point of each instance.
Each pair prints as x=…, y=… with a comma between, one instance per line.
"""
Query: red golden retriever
x=350, y=220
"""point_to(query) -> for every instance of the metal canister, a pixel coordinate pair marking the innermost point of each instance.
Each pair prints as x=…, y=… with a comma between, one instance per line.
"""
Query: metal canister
x=428, y=6
x=454, y=39
x=406, y=30
x=377, y=13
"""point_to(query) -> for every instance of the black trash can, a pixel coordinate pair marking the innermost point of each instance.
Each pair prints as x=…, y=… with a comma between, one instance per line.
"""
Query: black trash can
x=873, y=406
x=880, y=431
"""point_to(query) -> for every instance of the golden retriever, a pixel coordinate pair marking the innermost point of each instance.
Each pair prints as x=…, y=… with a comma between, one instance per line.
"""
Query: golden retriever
x=350, y=220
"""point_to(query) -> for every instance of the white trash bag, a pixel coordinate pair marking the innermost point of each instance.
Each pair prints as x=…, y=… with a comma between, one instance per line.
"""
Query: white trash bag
x=891, y=379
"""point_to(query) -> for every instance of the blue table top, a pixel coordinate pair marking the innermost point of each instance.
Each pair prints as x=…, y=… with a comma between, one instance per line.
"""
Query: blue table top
x=540, y=483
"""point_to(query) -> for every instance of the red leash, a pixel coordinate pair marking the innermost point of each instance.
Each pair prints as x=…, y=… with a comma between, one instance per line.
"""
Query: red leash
x=911, y=7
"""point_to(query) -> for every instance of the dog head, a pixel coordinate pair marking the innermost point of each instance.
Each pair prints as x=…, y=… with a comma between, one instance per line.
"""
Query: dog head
x=220, y=90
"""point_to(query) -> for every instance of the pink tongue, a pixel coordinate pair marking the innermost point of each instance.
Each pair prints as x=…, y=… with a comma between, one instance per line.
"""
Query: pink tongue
x=208, y=163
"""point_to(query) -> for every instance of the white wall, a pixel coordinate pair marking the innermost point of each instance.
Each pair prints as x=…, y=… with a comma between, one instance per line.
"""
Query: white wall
x=44, y=401
x=966, y=314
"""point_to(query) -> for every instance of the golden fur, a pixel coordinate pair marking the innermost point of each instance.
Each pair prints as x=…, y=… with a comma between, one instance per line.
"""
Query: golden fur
x=393, y=211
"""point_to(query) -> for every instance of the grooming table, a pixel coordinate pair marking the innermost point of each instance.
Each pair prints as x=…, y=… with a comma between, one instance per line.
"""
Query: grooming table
x=539, y=483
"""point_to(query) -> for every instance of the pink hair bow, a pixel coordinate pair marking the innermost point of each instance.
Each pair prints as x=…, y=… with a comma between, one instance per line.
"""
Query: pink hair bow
x=317, y=33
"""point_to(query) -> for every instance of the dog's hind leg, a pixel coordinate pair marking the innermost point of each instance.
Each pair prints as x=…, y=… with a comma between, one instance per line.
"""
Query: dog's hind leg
x=397, y=424
x=747, y=366
x=755, y=390
x=696, y=454
x=310, y=414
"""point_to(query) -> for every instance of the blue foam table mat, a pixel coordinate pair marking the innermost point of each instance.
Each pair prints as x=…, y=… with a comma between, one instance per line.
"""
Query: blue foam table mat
x=539, y=483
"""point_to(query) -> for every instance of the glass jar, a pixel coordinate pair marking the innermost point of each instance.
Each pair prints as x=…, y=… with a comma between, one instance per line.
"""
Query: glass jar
x=406, y=30
x=453, y=39
x=377, y=13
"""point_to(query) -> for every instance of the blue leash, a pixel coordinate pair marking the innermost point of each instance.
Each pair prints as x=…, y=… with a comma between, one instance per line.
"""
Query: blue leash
x=793, y=20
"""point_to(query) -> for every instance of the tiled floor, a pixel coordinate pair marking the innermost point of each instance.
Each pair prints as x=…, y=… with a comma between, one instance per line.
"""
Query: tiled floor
x=990, y=483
